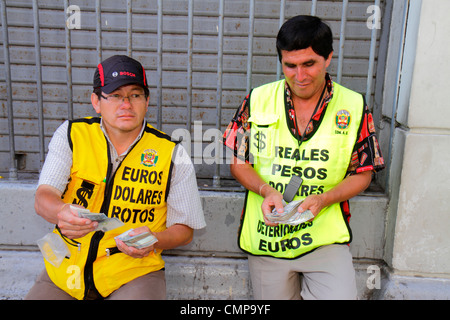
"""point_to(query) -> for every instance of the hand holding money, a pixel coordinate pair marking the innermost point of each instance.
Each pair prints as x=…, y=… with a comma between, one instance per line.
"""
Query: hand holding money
x=104, y=223
x=72, y=225
x=137, y=243
x=290, y=215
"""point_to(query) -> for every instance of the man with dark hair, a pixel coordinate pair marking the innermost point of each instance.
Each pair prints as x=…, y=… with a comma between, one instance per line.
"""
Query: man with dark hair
x=312, y=133
x=121, y=166
x=313, y=33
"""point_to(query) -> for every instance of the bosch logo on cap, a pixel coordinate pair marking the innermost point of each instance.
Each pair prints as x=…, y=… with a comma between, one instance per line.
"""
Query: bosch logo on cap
x=117, y=71
x=126, y=73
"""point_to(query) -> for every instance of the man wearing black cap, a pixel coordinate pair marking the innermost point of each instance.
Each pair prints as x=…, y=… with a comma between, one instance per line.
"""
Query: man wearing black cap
x=119, y=165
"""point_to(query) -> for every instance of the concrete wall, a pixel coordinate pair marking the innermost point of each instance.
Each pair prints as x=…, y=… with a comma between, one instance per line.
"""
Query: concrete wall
x=423, y=218
x=418, y=218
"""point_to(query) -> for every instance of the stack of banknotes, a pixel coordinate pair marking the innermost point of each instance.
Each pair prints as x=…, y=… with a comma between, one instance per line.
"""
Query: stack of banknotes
x=104, y=223
x=139, y=241
x=290, y=215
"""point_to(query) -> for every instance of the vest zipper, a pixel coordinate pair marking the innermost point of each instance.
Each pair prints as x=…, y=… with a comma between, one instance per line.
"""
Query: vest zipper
x=90, y=289
x=70, y=242
x=111, y=251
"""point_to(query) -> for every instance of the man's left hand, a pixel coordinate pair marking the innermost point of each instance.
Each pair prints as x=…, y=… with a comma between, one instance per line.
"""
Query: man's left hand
x=313, y=203
x=132, y=251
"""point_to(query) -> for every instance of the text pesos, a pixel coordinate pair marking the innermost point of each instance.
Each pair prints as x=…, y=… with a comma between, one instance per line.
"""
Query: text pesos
x=304, y=172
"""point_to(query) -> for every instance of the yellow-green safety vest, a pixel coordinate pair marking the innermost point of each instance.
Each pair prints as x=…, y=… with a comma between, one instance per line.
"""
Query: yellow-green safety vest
x=321, y=161
x=136, y=194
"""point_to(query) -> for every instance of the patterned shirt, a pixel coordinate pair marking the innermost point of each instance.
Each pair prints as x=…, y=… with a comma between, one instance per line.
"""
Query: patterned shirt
x=366, y=154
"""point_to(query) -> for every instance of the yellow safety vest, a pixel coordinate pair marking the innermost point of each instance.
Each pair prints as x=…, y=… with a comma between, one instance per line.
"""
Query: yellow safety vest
x=321, y=161
x=136, y=194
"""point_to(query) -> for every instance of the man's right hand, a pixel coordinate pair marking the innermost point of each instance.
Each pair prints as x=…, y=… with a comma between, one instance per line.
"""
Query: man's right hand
x=48, y=204
x=73, y=226
x=272, y=199
x=249, y=178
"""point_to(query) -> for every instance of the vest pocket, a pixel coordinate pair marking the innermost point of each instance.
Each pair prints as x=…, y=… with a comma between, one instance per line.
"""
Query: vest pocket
x=263, y=136
x=70, y=242
x=84, y=192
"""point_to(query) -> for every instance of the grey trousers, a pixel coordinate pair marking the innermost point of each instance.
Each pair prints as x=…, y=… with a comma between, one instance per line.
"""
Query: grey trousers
x=151, y=286
x=326, y=273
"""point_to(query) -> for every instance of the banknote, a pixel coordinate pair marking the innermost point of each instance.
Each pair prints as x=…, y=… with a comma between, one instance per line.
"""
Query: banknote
x=138, y=241
x=94, y=216
x=85, y=213
x=104, y=223
x=290, y=215
x=300, y=217
x=109, y=224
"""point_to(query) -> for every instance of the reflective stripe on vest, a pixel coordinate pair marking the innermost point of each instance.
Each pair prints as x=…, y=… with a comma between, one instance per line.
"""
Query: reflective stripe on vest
x=322, y=162
x=136, y=195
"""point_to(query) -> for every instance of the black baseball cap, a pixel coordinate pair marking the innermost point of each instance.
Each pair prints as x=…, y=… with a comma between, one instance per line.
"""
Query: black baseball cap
x=117, y=71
